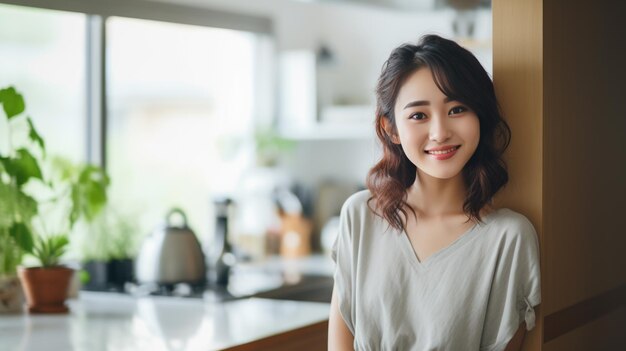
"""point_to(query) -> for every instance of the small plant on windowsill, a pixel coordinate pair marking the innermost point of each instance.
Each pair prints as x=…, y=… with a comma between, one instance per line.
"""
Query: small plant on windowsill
x=107, y=251
x=41, y=200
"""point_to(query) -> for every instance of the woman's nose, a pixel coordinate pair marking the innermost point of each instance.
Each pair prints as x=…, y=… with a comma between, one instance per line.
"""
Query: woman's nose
x=439, y=129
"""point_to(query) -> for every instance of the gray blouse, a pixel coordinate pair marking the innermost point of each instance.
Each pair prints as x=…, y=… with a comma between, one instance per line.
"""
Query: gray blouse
x=470, y=295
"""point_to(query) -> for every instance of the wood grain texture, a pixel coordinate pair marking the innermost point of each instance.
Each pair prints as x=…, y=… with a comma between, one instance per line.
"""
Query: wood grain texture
x=585, y=173
x=518, y=79
x=572, y=317
x=559, y=72
x=310, y=338
x=591, y=336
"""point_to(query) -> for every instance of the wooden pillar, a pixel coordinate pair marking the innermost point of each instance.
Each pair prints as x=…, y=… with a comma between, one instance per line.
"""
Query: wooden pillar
x=560, y=77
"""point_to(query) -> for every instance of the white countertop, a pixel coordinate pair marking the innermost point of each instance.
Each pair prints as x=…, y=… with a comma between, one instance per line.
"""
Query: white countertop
x=316, y=264
x=108, y=321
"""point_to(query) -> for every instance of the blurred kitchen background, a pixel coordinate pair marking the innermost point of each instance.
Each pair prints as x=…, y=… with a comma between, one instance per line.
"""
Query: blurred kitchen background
x=268, y=103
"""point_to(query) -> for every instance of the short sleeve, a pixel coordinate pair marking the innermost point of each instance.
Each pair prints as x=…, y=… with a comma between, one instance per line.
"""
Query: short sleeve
x=515, y=289
x=342, y=254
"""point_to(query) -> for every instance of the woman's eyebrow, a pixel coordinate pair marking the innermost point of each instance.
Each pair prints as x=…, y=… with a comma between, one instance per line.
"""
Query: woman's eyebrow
x=425, y=102
x=417, y=103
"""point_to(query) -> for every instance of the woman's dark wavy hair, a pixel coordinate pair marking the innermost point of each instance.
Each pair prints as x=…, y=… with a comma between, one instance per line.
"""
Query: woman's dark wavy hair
x=460, y=76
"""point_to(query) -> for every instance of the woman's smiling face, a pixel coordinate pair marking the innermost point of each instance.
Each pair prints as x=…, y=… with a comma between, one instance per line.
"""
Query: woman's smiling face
x=437, y=134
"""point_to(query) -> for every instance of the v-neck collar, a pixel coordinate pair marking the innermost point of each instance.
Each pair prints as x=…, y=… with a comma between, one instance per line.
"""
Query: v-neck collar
x=411, y=255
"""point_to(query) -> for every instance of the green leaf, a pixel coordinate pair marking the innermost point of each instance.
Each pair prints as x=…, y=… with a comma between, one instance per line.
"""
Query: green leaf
x=7, y=165
x=91, y=173
x=23, y=167
x=89, y=194
x=15, y=206
x=12, y=102
x=22, y=236
x=64, y=167
x=10, y=254
x=39, y=251
x=34, y=136
x=96, y=199
x=50, y=249
x=28, y=165
x=58, y=243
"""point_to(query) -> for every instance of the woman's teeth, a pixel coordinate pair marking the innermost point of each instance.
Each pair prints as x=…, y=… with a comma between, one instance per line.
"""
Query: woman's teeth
x=443, y=151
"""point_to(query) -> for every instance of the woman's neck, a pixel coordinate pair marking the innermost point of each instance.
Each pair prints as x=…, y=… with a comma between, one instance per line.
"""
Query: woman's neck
x=434, y=197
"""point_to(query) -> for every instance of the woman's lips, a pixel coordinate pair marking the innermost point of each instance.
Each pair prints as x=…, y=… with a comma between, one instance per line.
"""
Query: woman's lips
x=443, y=155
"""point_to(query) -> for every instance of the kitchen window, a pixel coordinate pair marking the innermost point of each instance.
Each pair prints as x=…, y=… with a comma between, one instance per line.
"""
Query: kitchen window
x=181, y=106
x=167, y=97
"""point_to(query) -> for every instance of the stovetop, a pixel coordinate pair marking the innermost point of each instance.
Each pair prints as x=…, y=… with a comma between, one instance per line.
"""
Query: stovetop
x=278, y=286
x=308, y=279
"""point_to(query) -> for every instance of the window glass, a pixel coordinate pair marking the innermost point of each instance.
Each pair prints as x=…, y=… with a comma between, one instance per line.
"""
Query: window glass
x=180, y=109
x=42, y=54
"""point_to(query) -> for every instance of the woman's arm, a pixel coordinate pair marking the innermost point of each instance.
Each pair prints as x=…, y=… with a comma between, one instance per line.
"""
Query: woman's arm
x=339, y=336
x=516, y=341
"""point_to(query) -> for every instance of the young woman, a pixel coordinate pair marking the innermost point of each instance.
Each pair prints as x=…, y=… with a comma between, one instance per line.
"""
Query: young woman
x=423, y=262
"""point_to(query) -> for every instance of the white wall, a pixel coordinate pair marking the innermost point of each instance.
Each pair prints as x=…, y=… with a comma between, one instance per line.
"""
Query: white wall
x=360, y=36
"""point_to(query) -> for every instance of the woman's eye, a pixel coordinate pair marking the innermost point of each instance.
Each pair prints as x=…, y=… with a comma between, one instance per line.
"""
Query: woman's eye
x=418, y=116
x=457, y=110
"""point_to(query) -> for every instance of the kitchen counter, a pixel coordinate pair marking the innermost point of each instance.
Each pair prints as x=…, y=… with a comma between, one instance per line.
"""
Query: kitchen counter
x=316, y=264
x=109, y=321
x=307, y=278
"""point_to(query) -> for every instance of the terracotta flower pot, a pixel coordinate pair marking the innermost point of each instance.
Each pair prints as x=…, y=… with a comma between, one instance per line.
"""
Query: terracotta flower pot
x=46, y=288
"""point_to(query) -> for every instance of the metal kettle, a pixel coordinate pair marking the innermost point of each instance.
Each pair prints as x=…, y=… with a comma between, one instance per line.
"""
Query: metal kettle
x=171, y=255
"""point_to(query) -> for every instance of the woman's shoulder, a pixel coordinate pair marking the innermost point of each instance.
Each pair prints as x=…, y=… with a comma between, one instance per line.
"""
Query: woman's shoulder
x=512, y=223
x=358, y=199
x=358, y=204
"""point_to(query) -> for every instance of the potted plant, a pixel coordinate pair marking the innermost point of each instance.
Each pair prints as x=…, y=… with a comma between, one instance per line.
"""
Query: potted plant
x=42, y=199
x=16, y=207
x=107, y=252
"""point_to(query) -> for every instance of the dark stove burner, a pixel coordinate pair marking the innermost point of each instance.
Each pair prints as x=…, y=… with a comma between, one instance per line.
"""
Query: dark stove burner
x=210, y=292
x=178, y=289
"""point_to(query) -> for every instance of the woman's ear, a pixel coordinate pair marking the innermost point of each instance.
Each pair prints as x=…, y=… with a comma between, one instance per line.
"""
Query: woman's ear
x=389, y=129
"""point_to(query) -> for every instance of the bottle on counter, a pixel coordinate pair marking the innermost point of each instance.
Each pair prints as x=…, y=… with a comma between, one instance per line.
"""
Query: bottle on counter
x=222, y=257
